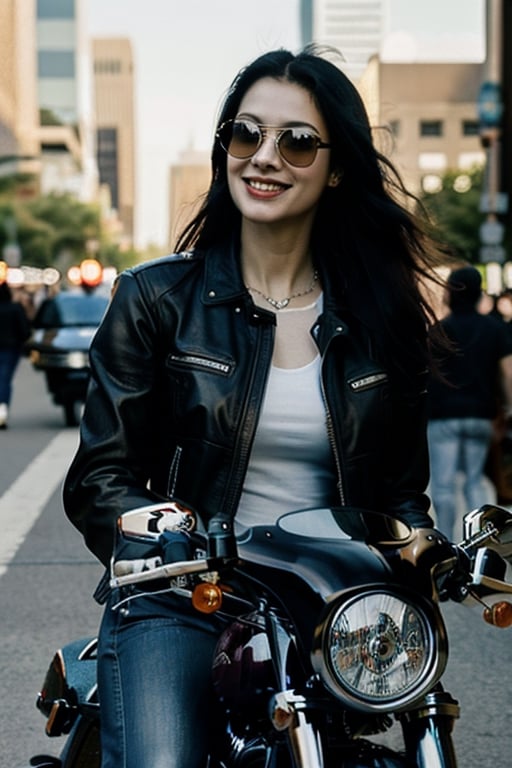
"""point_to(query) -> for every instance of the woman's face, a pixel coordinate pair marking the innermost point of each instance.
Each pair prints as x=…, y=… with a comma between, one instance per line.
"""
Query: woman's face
x=265, y=187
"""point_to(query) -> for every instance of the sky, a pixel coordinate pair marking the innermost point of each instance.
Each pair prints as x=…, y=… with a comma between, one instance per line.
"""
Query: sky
x=187, y=52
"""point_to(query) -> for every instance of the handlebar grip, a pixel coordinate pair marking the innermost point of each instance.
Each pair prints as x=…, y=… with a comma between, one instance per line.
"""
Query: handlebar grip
x=124, y=567
x=221, y=540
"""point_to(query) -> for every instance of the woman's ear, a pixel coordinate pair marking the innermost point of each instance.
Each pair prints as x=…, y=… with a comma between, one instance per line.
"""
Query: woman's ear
x=334, y=178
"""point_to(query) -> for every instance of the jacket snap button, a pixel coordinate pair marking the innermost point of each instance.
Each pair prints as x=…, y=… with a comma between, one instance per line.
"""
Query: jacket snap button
x=211, y=294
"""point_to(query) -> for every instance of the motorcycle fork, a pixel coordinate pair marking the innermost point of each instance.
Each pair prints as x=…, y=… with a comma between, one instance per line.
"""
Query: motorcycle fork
x=288, y=713
x=288, y=709
x=427, y=731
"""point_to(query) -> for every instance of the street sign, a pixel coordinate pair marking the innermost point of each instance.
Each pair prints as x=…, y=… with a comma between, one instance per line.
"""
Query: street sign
x=491, y=232
x=495, y=203
x=490, y=104
x=490, y=253
x=12, y=254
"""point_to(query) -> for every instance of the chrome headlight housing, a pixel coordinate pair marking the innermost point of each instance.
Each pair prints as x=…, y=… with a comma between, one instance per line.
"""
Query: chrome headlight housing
x=380, y=649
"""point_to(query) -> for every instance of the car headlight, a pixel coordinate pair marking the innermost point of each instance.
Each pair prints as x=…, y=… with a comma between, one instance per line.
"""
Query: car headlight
x=380, y=650
x=77, y=359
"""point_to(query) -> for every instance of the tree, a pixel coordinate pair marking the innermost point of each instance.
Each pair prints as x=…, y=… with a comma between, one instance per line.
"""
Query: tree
x=454, y=212
x=55, y=230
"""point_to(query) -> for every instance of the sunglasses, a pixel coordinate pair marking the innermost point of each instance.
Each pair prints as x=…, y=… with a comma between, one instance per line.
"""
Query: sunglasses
x=297, y=145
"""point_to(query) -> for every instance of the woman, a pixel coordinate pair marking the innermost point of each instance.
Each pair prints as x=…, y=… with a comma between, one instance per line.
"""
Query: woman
x=14, y=331
x=276, y=362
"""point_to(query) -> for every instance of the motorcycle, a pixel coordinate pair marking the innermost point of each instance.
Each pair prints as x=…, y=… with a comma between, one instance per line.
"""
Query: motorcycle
x=333, y=634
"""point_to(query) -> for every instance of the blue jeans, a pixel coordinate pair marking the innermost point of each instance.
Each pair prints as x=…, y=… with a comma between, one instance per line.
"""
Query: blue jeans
x=154, y=684
x=457, y=445
x=9, y=359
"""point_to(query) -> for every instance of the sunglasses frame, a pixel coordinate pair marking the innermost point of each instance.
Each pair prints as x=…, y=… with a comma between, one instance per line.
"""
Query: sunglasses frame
x=279, y=133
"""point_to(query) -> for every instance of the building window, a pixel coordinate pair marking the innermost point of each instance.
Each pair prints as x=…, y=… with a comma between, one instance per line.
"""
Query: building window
x=107, y=67
x=394, y=127
x=469, y=160
x=108, y=161
x=431, y=127
x=56, y=64
x=432, y=161
x=470, y=128
x=55, y=9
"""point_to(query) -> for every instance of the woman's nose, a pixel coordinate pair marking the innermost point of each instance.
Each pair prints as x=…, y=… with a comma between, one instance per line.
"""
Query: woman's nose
x=267, y=153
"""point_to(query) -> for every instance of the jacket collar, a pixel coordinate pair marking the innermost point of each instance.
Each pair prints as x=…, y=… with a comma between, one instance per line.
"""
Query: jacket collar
x=223, y=283
x=222, y=275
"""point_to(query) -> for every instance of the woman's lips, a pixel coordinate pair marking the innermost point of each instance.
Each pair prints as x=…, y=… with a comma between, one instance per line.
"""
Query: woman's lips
x=262, y=188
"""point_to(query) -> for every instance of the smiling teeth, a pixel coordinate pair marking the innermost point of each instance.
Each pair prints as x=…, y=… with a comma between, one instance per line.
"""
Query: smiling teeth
x=265, y=187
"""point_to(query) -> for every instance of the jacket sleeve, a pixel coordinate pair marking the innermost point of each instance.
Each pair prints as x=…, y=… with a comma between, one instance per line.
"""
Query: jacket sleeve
x=407, y=460
x=109, y=473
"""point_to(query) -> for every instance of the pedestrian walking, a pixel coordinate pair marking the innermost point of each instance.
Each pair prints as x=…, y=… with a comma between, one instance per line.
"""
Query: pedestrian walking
x=14, y=331
x=476, y=383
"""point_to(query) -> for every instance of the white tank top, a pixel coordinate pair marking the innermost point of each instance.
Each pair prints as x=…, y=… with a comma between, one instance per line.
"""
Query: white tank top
x=291, y=465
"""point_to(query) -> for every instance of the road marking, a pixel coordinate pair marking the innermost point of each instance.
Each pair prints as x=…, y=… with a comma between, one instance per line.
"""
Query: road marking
x=23, y=502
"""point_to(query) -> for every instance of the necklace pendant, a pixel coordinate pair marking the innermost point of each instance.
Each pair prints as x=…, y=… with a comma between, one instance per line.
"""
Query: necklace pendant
x=278, y=303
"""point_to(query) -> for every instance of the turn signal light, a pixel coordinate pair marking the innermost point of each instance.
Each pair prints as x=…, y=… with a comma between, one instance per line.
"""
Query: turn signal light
x=499, y=615
x=207, y=598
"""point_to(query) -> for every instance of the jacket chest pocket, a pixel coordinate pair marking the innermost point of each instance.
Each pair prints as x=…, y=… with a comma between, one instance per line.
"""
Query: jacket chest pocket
x=368, y=381
x=369, y=415
x=195, y=382
x=193, y=362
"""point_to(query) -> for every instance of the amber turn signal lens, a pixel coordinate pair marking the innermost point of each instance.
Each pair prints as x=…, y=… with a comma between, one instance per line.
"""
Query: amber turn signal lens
x=499, y=615
x=207, y=598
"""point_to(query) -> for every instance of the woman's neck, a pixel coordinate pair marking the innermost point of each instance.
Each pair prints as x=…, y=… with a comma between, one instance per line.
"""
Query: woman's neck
x=276, y=262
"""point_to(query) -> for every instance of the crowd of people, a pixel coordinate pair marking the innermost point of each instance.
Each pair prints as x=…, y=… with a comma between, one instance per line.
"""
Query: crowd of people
x=470, y=397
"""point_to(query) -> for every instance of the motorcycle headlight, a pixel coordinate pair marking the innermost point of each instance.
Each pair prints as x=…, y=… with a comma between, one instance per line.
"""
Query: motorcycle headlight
x=379, y=650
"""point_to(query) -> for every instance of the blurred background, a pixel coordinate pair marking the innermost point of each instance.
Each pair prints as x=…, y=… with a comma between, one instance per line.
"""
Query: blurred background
x=107, y=114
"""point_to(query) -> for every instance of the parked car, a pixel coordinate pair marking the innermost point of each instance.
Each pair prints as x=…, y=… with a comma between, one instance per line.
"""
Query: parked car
x=63, y=327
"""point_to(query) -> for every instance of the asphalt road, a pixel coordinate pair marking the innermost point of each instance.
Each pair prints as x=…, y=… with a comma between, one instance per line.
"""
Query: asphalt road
x=47, y=578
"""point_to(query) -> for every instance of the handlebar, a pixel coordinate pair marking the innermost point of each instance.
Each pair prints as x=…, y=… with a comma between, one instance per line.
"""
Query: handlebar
x=128, y=572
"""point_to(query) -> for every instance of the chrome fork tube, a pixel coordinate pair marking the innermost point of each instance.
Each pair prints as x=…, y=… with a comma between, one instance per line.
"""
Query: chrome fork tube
x=305, y=743
x=427, y=731
x=288, y=713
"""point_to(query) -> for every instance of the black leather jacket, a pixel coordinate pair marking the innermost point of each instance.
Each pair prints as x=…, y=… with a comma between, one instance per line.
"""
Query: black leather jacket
x=178, y=373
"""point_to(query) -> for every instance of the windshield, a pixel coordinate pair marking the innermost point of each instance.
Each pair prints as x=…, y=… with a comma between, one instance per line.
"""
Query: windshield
x=71, y=310
x=344, y=523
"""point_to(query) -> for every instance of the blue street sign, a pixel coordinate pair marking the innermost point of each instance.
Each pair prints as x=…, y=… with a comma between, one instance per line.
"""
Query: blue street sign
x=490, y=105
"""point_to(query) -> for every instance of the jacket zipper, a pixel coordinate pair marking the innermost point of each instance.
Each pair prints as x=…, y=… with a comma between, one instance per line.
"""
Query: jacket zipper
x=201, y=362
x=173, y=471
x=332, y=439
x=246, y=430
x=359, y=385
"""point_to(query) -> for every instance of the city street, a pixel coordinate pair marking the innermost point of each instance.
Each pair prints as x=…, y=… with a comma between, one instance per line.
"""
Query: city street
x=47, y=578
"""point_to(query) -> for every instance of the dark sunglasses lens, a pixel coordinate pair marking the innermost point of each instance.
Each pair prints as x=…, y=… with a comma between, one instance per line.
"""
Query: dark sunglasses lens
x=298, y=146
x=244, y=139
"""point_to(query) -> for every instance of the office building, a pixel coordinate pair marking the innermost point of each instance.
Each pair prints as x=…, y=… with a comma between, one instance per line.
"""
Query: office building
x=65, y=132
x=19, y=120
x=189, y=180
x=115, y=125
x=354, y=27
x=429, y=111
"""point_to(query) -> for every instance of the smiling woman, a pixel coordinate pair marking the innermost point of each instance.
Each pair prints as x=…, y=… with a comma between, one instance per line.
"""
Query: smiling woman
x=276, y=361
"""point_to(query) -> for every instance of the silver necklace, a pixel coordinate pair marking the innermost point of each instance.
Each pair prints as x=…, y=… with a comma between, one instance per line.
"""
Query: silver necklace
x=282, y=303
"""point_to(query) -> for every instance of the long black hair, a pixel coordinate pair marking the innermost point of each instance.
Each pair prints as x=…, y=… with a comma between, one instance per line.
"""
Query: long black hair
x=365, y=238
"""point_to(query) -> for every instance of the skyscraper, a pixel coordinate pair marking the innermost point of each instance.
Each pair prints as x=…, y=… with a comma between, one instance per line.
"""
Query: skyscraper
x=115, y=130
x=19, y=142
x=354, y=27
x=64, y=109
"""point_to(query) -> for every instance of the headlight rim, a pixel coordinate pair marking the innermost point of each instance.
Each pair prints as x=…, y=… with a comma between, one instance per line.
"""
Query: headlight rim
x=437, y=638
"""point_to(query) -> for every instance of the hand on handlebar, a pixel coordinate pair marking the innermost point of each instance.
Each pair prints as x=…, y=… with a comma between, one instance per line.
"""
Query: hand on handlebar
x=427, y=561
